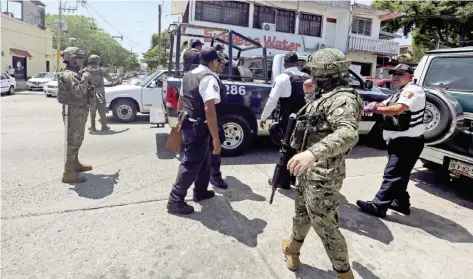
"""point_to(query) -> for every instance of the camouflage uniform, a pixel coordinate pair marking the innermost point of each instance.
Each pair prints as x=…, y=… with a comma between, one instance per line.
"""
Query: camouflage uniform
x=97, y=98
x=331, y=125
x=72, y=92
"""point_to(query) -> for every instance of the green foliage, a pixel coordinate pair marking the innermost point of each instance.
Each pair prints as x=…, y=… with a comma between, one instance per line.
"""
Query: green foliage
x=93, y=40
x=446, y=23
x=151, y=57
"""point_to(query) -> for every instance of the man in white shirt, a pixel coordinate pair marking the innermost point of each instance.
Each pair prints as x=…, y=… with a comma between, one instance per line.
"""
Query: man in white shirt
x=288, y=90
x=11, y=71
x=403, y=130
x=200, y=92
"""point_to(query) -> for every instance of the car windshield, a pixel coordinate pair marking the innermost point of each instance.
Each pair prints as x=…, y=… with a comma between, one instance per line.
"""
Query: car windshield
x=49, y=75
x=149, y=78
x=39, y=75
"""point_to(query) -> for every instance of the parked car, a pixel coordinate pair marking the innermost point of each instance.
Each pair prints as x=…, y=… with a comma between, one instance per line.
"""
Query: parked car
x=50, y=88
x=8, y=84
x=39, y=80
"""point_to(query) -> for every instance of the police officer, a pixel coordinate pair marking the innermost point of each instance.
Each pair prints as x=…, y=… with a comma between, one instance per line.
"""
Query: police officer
x=198, y=122
x=97, y=98
x=323, y=138
x=191, y=56
x=403, y=130
x=288, y=90
x=73, y=95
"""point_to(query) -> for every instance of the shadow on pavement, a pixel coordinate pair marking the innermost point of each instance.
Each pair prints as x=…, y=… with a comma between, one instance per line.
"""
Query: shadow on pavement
x=97, y=186
x=433, y=224
x=109, y=132
x=238, y=191
x=140, y=119
x=363, y=271
x=458, y=193
x=352, y=219
x=218, y=215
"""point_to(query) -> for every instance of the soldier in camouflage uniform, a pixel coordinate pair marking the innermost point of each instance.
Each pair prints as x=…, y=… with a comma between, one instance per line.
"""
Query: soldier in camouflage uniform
x=97, y=98
x=73, y=95
x=323, y=139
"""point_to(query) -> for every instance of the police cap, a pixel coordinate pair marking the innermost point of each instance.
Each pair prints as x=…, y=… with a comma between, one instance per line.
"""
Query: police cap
x=401, y=68
x=196, y=43
x=208, y=54
x=291, y=57
x=218, y=47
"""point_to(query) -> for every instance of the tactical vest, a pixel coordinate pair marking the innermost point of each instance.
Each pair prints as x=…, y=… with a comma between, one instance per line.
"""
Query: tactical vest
x=96, y=75
x=404, y=121
x=295, y=102
x=65, y=95
x=193, y=103
x=191, y=57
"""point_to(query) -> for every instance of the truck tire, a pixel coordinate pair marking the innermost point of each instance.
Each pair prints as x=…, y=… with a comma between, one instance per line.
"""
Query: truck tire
x=437, y=118
x=124, y=111
x=237, y=135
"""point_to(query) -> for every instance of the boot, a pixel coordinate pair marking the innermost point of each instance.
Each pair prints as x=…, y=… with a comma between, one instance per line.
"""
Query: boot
x=92, y=125
x=292, y=253
x=70, y=175
x=105, y=127
x=345, y=275
x=81, y=167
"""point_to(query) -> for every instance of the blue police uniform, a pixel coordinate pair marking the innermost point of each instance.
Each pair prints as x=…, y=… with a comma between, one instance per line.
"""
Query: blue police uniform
x=198, y=86
x=404, y=135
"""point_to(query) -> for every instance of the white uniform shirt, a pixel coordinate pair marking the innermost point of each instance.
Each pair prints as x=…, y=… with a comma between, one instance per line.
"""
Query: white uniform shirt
x=281, y=89
x=11, y=72
x=412, y=96
x=209, y=86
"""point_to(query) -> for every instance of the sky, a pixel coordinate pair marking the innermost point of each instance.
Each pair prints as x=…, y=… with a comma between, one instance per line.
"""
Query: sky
x=135, y=20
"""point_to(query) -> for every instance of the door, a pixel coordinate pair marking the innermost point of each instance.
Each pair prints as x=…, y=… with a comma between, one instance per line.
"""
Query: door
x=47, y=66
x=330, y=32
x=152, y=97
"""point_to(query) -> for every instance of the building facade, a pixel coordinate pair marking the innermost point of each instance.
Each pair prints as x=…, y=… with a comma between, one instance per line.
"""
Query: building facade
x=26, y=43
x=301, y=26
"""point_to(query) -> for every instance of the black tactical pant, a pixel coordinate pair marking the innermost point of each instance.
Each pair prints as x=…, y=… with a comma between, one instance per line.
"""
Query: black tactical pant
x=403, y=154
x=195, y=165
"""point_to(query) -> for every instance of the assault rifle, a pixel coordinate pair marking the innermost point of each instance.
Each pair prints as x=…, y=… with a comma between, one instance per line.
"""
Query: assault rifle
x=281, y=173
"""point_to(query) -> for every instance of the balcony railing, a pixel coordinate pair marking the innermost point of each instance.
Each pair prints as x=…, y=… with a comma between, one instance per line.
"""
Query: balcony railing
x=377, y=46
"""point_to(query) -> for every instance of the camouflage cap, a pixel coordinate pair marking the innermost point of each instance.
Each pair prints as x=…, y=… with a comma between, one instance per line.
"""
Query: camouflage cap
x=327, y=63
x=94, y=59
x=72, y=52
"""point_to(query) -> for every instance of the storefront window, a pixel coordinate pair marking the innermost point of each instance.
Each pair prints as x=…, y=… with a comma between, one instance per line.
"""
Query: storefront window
x=225, y=12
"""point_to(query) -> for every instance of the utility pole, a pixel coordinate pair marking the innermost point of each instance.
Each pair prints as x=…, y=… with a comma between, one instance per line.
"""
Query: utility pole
x=159, y=34
x=60, y=28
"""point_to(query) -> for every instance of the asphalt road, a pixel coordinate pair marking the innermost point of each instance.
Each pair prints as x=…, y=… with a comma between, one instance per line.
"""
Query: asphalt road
x=115, y=225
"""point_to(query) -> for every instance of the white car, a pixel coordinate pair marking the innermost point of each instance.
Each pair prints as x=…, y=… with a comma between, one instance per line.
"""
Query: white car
x=50, y=88
x=8, y=84
x=39, y=80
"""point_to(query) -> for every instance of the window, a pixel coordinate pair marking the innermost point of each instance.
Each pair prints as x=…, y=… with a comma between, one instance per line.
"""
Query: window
x=4, y=76
x=451, y=73
x=285, y=20
x=361, y=26
x=310, y=25
x=226, y=12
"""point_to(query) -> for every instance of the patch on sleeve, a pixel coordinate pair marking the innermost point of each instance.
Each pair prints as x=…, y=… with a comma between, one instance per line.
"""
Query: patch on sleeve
x=339, y=111
x=408, y=94
x=215, y=88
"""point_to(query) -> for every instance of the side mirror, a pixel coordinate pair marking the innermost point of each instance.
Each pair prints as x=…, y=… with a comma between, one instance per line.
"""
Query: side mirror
x=369, y=84
x=152, y=84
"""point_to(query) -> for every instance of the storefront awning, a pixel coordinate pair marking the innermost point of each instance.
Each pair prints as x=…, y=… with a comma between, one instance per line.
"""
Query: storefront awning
x=19, y=52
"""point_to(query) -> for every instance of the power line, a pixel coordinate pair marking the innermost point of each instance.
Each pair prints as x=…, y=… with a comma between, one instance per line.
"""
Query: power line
x=114, y=27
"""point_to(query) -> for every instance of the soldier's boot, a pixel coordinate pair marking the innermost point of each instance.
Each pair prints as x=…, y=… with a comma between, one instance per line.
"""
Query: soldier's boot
x=92, y=125
x=291, y=250
x=105, y=127
x=81, y=167
x=70, y=174
x=345, y=275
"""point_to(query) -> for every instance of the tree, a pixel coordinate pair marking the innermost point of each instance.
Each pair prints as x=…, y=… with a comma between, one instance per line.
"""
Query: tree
x=432, y=23
x=84, y=33
x=151, y=57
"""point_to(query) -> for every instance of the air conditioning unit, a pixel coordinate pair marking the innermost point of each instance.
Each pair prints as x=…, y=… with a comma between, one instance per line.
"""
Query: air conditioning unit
x=268, y=26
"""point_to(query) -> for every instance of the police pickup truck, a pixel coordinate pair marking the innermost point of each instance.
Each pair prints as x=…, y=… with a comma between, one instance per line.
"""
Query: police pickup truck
x=248, y=89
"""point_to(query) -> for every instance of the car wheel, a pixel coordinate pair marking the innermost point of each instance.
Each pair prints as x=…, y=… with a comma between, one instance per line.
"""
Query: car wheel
x=124, y=111
x=437, y=118
x=237, y=135
x=11, y=90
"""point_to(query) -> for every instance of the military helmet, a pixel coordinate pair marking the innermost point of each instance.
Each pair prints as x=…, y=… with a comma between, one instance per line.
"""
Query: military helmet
x=328, y=63
x=72, y=52
x=95, y=59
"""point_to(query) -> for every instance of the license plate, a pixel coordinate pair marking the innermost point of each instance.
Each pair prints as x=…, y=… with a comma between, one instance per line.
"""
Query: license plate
x=461, y=168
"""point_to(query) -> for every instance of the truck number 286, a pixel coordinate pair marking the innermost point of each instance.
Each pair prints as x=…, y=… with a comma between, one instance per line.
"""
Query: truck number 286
x=236, y=90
